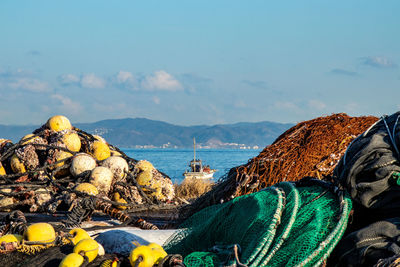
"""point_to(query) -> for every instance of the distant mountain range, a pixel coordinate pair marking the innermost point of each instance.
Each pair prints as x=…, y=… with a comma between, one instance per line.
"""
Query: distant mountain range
x=140, y=132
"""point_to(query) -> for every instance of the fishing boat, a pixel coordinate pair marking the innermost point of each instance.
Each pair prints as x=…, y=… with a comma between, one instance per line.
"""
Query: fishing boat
x=197, y=169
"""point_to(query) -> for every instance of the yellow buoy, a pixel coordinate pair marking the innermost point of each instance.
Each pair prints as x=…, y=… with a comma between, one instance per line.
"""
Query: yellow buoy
x=100, y=150
x=26, y=137
x=143, y=254
x=11, y=238
x=72, y=260
x=115, y=153
x=61, y=155
x=158, y=252
x=88, y=247
x=158, y=193
x=2, y=140
x=144, y=165
x=40, y=232
x=144, y=177
x=16, y=165
x=78, y=234
x=59, y=123
x=119, y=199
x=87, y=188
x=2, y=170
x=99, y=138
x=72, y=141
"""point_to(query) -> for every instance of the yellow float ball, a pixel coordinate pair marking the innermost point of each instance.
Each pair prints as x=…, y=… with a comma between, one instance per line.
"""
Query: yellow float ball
x=61, y=155
x=144, y=254
x=158, y=252
x=77, y=235
x=11, y=238
x=87, y=188
x=115, y=153
x=59, y=123
x=119, y=199
x=40, y=232
x=100, y=150
x=88, y=247
x=2, y=170
x=99, y=138
x=27, y=139
x=144, y=165
x=144, y=177
x=16, y=165
x=72, y=141
x=72, y=260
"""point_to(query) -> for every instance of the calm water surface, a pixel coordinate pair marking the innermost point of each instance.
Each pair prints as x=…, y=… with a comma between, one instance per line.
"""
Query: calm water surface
x=174, y=162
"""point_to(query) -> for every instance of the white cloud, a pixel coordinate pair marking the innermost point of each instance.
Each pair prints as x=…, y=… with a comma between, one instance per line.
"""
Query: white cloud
x=67, y=104
x=378, y=62
x=22, y=80
x=92, y=81
x=161, y=80
x=124, y=77
x=29, y=84
x=316, y=104
x=68, y=79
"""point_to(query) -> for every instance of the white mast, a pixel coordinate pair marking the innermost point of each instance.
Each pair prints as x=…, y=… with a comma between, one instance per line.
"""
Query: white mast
x=194, y=149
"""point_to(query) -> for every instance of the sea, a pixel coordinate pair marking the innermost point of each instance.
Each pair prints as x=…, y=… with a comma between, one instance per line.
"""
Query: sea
x=174, y=162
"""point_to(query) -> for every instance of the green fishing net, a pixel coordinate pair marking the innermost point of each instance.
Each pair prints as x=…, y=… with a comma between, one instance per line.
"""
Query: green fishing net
x=280, y=225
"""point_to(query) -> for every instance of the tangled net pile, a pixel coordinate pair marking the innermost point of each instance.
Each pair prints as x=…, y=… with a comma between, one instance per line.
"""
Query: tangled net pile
x=59, y=169
x=310, y=148
x=284, y=225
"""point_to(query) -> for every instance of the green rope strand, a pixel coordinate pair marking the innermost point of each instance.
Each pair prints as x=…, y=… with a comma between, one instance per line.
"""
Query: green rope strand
x=293, y=215
x=262, y=249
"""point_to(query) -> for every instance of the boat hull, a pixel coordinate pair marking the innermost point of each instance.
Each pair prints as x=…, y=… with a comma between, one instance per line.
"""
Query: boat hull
x=199, y=175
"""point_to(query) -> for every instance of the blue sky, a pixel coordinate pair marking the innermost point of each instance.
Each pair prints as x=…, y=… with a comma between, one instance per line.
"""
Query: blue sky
x=198, y=62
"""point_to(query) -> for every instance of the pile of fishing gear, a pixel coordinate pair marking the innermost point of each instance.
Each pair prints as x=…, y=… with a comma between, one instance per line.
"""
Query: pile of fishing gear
x=370, y=171
x=326, y=192
x=310, y=148
x=288, y=224
x=60, y=168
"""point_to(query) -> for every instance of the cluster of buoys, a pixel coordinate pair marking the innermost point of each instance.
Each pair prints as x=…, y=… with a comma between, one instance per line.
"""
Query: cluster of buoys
x=147, y=255
x=58, y=150
x=84, y=246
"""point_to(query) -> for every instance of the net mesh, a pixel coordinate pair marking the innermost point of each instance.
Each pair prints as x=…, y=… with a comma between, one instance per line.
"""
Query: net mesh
x=281, y=225
x=310, y=148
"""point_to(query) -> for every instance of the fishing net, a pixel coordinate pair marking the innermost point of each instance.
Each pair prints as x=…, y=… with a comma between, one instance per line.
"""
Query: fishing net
x=281, y=225
x=310, y=148
x=43, y=171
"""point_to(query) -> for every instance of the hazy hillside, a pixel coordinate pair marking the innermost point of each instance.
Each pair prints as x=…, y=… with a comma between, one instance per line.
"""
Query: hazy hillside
x=126, y=133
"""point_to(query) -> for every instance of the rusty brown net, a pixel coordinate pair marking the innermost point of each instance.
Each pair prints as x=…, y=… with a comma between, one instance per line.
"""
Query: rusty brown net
x=310, y=148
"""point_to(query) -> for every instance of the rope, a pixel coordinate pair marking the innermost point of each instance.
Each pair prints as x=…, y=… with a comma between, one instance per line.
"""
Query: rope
x=390, y=135
x=262, y=249
x=293, y=215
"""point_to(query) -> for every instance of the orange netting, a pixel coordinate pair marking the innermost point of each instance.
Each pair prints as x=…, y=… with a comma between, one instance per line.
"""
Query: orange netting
x=310, y=148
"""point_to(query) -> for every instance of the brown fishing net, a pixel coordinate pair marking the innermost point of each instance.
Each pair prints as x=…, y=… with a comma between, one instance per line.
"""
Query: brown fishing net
x=310, y=148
